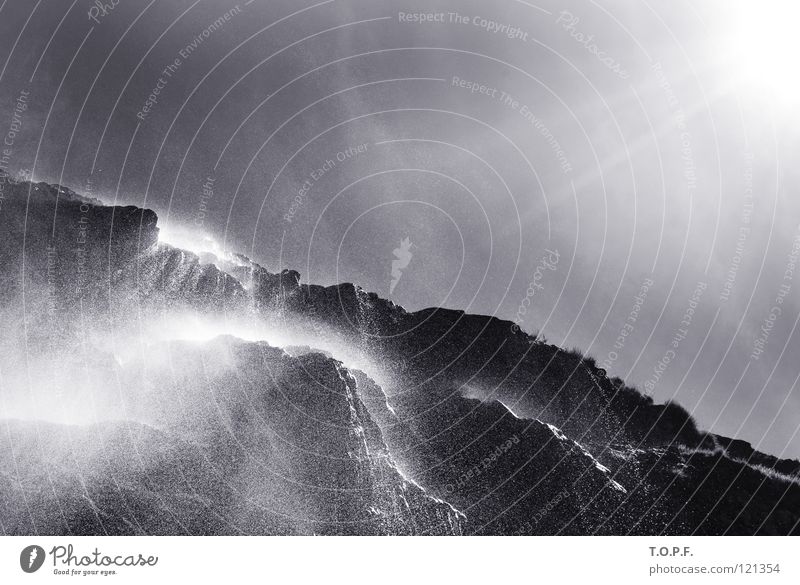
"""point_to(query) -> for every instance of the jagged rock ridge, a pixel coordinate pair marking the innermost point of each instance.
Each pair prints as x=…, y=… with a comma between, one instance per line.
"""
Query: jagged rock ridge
x=458, y=423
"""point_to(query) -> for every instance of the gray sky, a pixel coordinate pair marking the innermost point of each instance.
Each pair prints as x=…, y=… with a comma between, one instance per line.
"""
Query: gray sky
x=636, y=139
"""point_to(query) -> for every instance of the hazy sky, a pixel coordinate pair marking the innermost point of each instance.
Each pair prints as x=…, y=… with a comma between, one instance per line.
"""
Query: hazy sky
x=648, y=144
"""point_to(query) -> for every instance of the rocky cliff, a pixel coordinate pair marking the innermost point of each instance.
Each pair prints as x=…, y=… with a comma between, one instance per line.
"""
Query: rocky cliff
x=147, y=389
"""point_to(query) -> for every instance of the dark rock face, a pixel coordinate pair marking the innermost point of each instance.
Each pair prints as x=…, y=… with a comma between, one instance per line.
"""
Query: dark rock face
x=457, y=424
x=220, y=438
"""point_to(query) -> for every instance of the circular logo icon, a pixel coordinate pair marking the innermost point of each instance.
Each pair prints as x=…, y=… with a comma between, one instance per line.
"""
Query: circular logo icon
x=31, y=558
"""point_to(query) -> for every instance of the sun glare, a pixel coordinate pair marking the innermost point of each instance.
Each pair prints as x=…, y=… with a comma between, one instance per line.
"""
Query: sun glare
x=761, y=46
